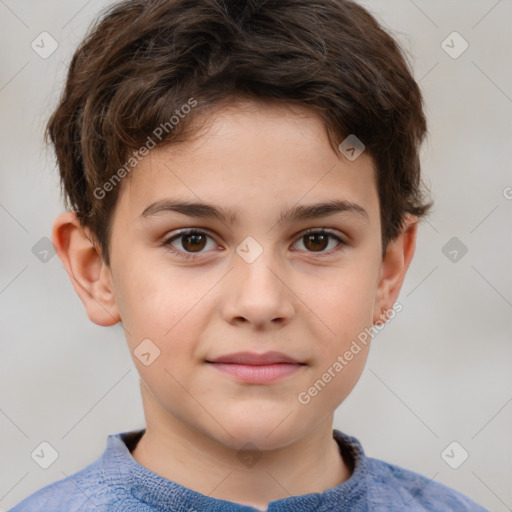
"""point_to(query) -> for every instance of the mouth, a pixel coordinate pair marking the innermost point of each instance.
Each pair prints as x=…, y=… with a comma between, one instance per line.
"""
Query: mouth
x=257, y=374
x=255, y=368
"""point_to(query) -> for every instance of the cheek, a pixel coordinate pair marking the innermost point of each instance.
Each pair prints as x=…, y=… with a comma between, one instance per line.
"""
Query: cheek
x=342, y=308
x=332, y=382
x=346, y=306
x=164, y=320
x=158, y=302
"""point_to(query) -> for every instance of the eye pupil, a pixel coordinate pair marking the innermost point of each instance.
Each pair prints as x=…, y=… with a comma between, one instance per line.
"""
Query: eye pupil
x=317, y=246
x=195, y=238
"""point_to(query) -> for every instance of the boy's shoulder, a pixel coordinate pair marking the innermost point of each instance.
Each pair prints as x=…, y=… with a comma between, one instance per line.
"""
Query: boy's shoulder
x=391, y=483
x=389, y=487
x=92, y=489
x=78, y=491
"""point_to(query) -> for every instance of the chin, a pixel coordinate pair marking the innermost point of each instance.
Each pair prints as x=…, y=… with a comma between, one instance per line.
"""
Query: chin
x=265, y=433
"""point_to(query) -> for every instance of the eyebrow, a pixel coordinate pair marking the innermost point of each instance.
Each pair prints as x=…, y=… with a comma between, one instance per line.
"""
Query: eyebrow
x=297, y=213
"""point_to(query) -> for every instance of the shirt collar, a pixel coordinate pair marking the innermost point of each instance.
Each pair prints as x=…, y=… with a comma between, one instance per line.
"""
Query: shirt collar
x=122, y=472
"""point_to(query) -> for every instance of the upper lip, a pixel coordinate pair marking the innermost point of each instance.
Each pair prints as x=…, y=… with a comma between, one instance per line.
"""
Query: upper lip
x=255, y=358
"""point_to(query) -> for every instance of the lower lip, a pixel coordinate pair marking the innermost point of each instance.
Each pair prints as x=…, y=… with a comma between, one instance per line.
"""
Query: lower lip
x=257, y=374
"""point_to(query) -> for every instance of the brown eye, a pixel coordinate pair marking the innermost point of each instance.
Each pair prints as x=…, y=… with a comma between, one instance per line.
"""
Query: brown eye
x=193, y=242
x=316, y=241
x=189, y=243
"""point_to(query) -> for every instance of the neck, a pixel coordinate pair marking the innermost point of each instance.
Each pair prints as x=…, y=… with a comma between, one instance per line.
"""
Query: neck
x=194, y=460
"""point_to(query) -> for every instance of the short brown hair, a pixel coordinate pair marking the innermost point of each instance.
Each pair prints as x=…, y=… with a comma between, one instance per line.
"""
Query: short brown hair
x=143, y=60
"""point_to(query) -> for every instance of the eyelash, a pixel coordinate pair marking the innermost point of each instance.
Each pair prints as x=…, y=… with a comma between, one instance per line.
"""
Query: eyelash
x=193, y=256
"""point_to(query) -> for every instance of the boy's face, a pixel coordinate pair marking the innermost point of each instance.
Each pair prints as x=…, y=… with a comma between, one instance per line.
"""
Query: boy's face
x=256, y=284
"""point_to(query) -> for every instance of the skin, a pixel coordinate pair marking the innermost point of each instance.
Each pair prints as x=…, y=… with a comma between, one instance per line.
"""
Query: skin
x=256, y=160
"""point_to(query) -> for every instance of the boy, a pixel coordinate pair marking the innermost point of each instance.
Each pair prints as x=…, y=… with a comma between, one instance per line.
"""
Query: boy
x=281, y=138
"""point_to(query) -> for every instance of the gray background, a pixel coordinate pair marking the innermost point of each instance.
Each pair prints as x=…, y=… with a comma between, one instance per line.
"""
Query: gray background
x=438, y=372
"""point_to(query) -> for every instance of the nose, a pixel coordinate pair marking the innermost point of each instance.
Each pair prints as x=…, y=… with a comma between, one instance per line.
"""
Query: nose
x=257, y=293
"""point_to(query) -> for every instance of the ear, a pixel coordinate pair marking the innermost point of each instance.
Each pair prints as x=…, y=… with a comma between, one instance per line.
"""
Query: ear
x=91, y=278
x=394, y=266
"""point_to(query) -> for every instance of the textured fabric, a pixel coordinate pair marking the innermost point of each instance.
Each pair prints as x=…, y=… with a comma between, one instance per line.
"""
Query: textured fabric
x=117, y=482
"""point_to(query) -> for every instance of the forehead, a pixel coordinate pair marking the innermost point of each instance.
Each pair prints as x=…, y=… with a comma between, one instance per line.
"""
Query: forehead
x=252, y=159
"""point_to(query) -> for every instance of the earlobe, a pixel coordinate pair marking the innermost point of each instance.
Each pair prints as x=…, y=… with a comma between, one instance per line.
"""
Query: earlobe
x=90, y=277
x=395, y=264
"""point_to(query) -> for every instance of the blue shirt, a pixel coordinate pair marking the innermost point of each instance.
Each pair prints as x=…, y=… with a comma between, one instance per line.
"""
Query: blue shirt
x=117, y=482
